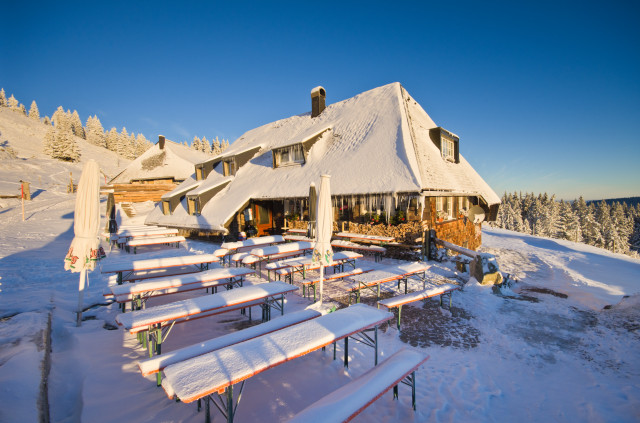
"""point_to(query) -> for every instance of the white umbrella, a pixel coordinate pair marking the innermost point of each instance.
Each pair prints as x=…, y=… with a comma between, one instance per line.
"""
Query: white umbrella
x=85, y=248
x=322, y=251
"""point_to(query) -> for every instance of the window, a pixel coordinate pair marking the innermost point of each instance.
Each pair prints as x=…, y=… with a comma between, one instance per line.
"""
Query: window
x=286, y=156
x=166, y=207
x=446, y=148
x=463, y=205
x=444, y=207
x=199, y=173
x=229, y=167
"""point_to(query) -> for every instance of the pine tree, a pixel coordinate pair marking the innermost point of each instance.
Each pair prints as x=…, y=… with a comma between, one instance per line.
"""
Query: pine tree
x=95, y=133
x=49, y=141
x=22, y=109
x=76, y=125
x=58, y=116
x=216, y=147
x=206, y=147
x=195, y=144
x=123, y=143
x=225, y=145
x=12, y=103
x=33, y=111
x=3, y=98
x=46, y=120
x=112, y=139
x=142, y=145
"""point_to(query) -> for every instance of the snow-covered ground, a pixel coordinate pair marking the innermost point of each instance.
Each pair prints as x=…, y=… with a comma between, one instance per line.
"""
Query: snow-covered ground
x=546, y=349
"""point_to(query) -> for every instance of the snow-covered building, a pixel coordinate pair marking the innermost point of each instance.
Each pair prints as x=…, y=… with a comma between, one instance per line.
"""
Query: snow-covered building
x=157, y=171
x=385, y=155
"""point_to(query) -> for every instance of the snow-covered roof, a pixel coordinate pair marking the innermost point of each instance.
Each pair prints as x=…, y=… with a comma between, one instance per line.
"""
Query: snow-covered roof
x=173, y=161
x=376, y=142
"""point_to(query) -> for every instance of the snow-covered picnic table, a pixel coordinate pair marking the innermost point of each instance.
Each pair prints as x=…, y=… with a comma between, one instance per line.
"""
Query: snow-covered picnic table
x=149, y=240
x=258, y=255
x=428, y=292
x=289, y=267
x=140, y=292
x=152, y=232
x=375, y=278
x=227, y=249
x=374, y=239
x=219, y=371
x=377, y=250
x=130, y=270
x=349, y=400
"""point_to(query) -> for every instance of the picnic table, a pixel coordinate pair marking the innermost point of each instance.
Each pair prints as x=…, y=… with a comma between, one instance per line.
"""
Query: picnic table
x=394, y=273
x=377, y=250
x=147, y=241
x=258, y=255
x=217, y=372
x=289, y=267
x=227, y=249
x=131, y=270
x=348, y=401
x=152, y=232
x=139, y=293
x=429, y=292
x=372, y=239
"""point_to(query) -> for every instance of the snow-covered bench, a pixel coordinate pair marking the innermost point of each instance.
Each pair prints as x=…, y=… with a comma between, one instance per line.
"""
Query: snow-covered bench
x=296, y=238
x=376, y=250
x=159, y=362
x=396, y=273
x=349, y=400
x=312, y=282
x=133, y=270
x=400, y=300
x=147, y=241
x=248, y=244
x=219, y=371
x=151, y=232
x=139, y=293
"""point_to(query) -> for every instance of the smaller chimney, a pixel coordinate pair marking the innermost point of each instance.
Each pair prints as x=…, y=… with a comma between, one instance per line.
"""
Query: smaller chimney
x=318, y=95
x=161, y=141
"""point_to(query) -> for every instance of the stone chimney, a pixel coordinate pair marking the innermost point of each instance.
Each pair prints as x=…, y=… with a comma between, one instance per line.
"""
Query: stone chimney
x=318, y=95
x=161, y=142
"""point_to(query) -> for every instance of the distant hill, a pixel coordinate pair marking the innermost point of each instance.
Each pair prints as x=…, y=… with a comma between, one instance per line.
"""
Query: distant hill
x=631, y=201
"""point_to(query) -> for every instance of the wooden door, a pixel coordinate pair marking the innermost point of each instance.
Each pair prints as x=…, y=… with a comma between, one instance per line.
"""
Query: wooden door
x=263, y=219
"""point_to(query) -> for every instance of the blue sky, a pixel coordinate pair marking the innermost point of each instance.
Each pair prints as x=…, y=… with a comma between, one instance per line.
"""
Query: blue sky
x=544, y=96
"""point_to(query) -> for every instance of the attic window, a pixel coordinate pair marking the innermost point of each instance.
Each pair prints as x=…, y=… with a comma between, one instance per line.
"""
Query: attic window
x=287, y=156
x=229, y=167
x=447, y=148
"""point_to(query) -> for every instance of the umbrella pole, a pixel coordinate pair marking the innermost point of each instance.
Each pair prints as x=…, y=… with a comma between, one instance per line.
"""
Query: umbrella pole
x=321, y=280
x=83, y=278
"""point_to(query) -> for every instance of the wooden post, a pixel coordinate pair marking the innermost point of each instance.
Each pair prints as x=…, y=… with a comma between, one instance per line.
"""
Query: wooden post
x=22, y=197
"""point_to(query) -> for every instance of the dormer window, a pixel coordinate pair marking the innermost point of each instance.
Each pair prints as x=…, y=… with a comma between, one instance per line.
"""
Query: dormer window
x=447, y=148
x=447, y=142
x=229, y=167
x=289, y=155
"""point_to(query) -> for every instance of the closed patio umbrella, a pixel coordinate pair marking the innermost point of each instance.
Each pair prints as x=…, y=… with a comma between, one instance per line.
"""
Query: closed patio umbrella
x=85, y=248
x=322, y=251
x=313, y=204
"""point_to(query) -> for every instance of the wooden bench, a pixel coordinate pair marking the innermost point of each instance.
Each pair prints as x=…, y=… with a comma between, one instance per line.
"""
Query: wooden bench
x=296, y=238
x=218, y=371
x=377, y=250
x=147, y=241
x=432, y=291
x=154, y=232
x=158, y=363
x=396, y=273
x=251, y=243
x=133, y=270
x=139, y=293
x=348, y=401
x=311, y=283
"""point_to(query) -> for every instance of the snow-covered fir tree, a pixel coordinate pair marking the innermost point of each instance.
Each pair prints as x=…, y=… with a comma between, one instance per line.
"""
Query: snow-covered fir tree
x=612, y=227
x=142, y=145
x=205, y=146
x=33, y=111
x=46, y=120
x=195, y=144
x=124, y=146
x=22, y=109
x=12, y=103
x=95, y=132
x=112, y=139
x=215, y=147
x=3, y=98
x=76, y=125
